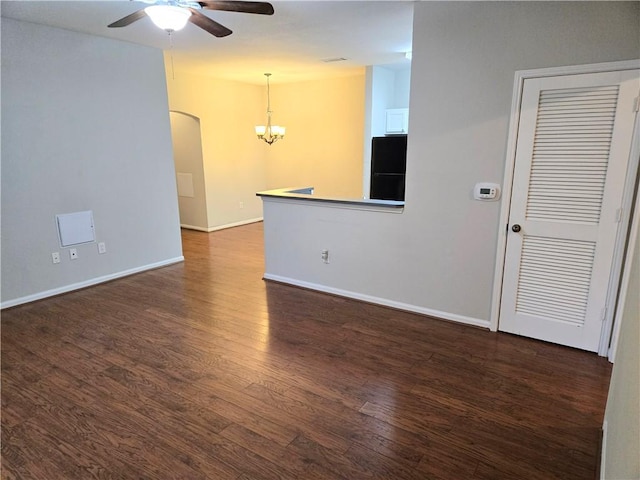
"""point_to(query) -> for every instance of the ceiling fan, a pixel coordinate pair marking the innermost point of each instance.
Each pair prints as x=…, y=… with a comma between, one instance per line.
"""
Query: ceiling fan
x=172, y=15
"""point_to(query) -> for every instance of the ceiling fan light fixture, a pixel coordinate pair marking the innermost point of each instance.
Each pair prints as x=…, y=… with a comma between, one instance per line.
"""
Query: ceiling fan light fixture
x=168, y=17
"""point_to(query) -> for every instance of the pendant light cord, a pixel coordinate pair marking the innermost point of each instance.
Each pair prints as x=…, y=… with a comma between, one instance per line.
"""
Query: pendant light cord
x=268, y=96
x=269, y=131
x=173, y=72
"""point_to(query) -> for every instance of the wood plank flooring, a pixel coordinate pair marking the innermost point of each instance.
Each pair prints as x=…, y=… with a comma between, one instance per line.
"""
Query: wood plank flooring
x=202, y=370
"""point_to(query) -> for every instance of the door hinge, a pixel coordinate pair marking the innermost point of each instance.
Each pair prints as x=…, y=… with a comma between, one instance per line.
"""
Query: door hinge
x=636, y=102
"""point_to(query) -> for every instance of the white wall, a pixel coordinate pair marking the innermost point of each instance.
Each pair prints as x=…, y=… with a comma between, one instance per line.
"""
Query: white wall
x=323, y=144
x=389, y=88
x=621, y=444
x=85, y=126
x=237, y=164
x=187, y=155
x=382, y=97
x=234, y=161
x=402, y=90
x=439, y=255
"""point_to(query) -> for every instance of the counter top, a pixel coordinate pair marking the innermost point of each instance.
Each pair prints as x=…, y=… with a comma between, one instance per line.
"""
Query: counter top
x=307, y=194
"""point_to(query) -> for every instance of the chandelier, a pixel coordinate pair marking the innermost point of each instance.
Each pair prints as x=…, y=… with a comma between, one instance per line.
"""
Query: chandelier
x=269, y=133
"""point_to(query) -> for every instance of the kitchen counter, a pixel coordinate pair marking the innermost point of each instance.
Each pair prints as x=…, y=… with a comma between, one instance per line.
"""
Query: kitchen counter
x=306, y=195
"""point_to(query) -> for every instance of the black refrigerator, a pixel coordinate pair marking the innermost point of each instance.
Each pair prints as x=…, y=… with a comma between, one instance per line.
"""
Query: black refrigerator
x=388, y=166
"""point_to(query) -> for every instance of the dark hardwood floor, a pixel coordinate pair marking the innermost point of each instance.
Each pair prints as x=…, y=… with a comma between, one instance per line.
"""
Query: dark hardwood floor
x=202, y=370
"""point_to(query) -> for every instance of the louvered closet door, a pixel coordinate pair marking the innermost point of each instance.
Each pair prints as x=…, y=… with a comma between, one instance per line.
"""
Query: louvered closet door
x=573, y=146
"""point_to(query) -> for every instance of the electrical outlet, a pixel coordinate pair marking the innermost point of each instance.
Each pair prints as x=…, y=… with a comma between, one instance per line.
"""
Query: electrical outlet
x=55, y=257
x=241, y=204
x=102, y=248
x=325, y=256
x=73, y=254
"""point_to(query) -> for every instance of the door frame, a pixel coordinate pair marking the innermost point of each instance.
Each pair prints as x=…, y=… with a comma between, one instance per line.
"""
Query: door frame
x=616, y=283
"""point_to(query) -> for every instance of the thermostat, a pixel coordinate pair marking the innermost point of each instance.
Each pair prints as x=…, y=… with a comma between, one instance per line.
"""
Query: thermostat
x=486, y=191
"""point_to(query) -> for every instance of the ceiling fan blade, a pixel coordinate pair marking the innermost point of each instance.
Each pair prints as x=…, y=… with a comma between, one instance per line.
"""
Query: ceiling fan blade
x=262, y=8
x=129, y=19
x=205, y=23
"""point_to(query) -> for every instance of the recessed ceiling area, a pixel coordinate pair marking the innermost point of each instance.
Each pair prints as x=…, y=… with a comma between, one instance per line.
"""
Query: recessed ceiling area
x=294, y=44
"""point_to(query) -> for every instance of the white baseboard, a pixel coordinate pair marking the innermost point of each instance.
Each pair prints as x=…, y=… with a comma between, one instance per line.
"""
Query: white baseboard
x=194, y=227
x=381, y=301
x=88, y=283
x=603, y=451
x=221, y=227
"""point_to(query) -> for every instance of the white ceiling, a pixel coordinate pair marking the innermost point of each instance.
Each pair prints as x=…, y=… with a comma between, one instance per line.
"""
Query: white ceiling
x=291, y=44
